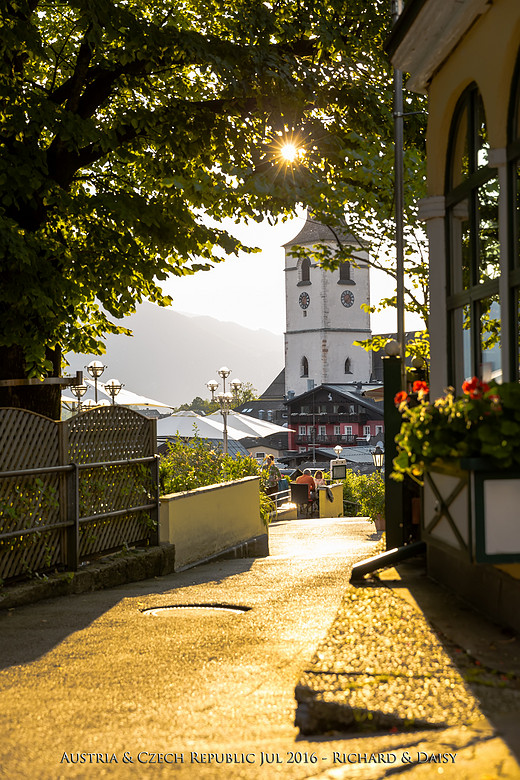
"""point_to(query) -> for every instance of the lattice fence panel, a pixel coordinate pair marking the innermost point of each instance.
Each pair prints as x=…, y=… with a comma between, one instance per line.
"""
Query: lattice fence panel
x=110, y=488
x=30, y=553
x=27, y=441
x=100, y=536
x=108, y=433
x=104, y=434
x=27, y=502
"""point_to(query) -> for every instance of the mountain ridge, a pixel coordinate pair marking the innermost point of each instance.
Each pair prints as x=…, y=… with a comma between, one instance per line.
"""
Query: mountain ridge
x=172, y=355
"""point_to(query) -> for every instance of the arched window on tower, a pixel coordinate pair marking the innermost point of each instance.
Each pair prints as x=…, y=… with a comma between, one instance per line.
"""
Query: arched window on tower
x=304, y=367
x=344, y=272
x=305, y=271
x=348, y=369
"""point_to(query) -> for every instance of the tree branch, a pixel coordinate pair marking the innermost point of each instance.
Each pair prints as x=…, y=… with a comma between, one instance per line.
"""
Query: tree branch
x=80, y=72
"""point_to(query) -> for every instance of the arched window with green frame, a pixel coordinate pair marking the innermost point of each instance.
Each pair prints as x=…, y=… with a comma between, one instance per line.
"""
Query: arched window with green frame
x=513, y=156
x=473, y=248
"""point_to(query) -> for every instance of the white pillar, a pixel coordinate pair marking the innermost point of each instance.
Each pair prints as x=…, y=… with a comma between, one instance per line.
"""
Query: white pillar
x=432, y=211
x=497, y=158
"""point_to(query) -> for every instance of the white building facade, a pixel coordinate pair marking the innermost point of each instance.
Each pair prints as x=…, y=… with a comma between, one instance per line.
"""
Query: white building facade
x=324, y=316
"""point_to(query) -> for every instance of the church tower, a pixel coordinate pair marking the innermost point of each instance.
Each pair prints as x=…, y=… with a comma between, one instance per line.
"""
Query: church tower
x=324, y=315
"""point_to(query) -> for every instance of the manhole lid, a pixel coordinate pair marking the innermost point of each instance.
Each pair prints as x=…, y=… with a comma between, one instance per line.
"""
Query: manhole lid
x=172, y=609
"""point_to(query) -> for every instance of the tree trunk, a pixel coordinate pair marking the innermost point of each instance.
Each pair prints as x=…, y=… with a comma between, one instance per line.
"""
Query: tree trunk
x=43, y=399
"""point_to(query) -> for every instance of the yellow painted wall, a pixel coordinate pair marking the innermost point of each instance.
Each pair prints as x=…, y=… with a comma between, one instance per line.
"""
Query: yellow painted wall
x=201, y=523
x=485, y=55
x=513, y=569
x=331, y=508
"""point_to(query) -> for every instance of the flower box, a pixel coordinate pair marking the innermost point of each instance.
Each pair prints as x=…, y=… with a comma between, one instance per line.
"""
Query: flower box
x=495, y=514
x=468, y=451
x=472, y=510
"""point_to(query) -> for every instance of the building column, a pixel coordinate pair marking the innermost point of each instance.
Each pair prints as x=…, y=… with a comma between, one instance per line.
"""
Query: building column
x=497, y=158
x=432, y=210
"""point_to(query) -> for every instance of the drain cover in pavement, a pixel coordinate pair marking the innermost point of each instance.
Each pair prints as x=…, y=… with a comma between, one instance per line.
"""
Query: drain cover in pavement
x=171, y=609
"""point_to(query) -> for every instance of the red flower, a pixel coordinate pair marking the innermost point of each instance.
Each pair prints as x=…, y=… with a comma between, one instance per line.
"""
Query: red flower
x=474, y=387
x=400, y=397
x=470, y=385
x=420, y=387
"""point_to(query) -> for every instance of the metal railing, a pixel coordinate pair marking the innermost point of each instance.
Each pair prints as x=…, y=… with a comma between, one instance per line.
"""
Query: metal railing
x=72, y=523
x=354, y=504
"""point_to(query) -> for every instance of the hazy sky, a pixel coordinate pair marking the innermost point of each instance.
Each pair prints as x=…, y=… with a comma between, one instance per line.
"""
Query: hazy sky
x=250, y=289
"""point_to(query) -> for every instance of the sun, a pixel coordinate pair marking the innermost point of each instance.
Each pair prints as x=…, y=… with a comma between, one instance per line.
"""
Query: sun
x=289, y=152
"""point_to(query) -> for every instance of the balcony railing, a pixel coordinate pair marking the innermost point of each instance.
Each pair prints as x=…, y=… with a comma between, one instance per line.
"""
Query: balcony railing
x=327, y=419
x=325, y=439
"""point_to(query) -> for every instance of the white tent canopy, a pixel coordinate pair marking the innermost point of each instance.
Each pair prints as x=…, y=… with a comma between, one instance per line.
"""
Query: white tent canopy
x=188, y=425
x=250, y=426
x=127, y=398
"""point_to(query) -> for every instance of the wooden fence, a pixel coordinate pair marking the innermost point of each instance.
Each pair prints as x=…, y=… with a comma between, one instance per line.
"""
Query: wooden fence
x=75, y=489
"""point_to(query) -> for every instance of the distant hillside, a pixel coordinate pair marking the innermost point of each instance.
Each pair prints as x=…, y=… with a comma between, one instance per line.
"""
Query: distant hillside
x=171, y=356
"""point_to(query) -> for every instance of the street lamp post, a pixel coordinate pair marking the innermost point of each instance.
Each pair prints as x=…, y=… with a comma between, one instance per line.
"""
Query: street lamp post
x=213, y=386
x=236, y=387
x=378, y=456
x=79, y=391
x=95, y=369
x=224, y=399
x=223, y=373
x=113, y=388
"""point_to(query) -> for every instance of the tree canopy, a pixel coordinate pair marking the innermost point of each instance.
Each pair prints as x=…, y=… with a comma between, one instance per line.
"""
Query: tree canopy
x=206, y=405
x=125, y=123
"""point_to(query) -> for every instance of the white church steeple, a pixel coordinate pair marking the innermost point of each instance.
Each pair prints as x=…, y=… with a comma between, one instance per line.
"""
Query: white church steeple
x=324, y=315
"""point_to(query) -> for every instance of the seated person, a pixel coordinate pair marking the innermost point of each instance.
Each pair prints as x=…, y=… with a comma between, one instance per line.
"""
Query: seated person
x=318, y=479
x=307, y=479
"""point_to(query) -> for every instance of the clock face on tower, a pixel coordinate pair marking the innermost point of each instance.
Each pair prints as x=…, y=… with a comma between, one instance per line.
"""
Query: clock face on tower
x=304, y=300
x=347, y=298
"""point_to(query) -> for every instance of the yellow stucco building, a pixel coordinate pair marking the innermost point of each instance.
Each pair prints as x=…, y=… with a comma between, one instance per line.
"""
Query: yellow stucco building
x=465, y=56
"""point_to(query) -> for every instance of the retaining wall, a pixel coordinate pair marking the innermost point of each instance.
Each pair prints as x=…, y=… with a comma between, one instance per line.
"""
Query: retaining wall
x=214, y=520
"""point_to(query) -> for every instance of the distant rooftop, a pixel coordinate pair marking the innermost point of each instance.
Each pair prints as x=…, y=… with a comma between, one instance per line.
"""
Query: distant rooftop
x=276, y=389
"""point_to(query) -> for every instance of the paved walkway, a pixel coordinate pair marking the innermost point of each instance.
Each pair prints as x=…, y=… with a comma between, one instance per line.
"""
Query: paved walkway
x=404, y=655
x=92, y=674
x=94, y=687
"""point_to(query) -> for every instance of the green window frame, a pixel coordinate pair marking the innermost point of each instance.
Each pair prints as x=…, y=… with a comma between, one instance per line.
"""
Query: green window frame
x=473, y=249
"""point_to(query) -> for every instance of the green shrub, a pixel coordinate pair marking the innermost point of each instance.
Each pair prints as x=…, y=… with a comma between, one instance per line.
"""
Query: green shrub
x=188, y=466
x=367, y=491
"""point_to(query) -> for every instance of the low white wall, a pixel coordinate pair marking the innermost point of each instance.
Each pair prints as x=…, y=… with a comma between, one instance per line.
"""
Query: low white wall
x=204, y=522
